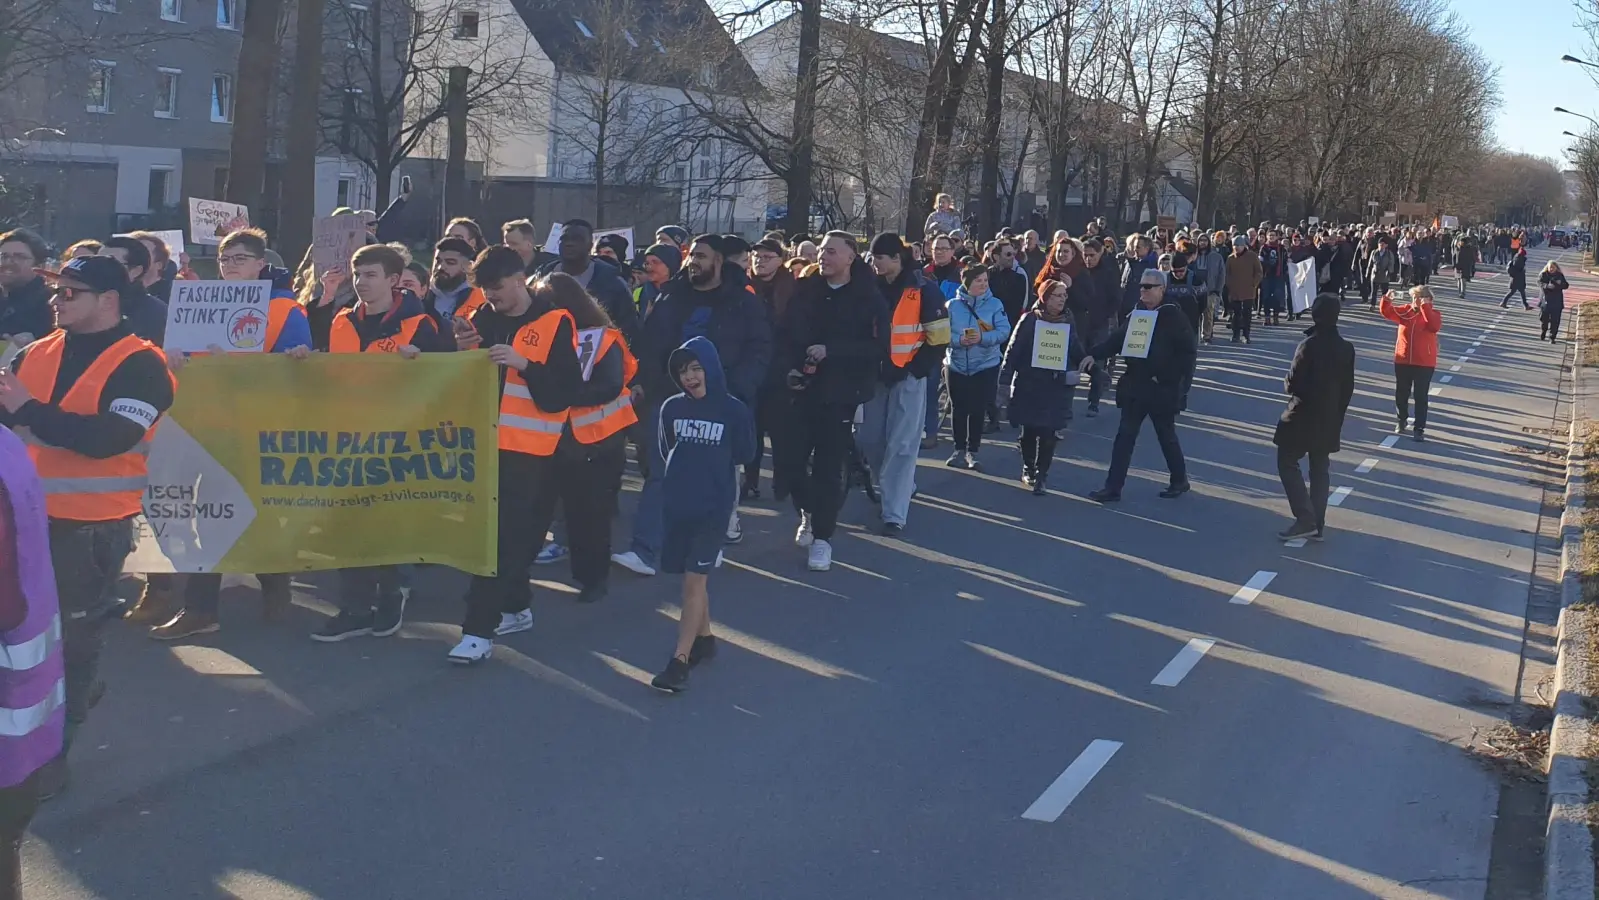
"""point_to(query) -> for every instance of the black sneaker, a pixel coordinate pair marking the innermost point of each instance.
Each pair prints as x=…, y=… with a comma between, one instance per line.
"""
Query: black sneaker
x=704, y=650
x=1174, y=491
x=389, y=617
x=1093, y=410
x=673, y=679
x=1105, y=495
x=593, y=593
x=1419, y=436
x=1038, y=486
x=1296, y=531
x=1401, y=427
x=892, y=529
x=1320, y=535
x=344, y=626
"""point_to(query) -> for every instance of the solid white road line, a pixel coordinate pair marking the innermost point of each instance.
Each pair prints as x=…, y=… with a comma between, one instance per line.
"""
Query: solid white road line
x=1367, y=464
x=1339, y=496
x=1183, y=662
x=1059, y=795
x=1253, y=587
x=1389, y=441
x=1447, y=378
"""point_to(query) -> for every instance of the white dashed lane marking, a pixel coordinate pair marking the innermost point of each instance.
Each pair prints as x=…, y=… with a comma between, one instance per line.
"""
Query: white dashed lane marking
x=1060, y=794
x=1389, y=441
x=1183, y=662
x=1367, y=464
x=1252, y=588
x=1339, y=496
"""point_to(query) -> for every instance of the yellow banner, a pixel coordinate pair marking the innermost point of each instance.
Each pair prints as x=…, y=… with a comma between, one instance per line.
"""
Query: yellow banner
x=271, y=464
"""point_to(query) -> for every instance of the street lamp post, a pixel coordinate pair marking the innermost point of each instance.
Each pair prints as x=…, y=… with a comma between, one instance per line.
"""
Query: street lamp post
x=1581, y=62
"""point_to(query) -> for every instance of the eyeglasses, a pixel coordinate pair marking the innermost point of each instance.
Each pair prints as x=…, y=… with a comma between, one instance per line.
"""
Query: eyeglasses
x=70, y=293
x=16, y=258
x=1148, y=287
x=237, y=259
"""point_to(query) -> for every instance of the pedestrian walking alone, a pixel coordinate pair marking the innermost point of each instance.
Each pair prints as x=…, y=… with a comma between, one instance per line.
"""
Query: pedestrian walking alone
x=1415, y=355
x=1320, y=383
x=1554, y=285
x=1518, y=279
x=1150, y=387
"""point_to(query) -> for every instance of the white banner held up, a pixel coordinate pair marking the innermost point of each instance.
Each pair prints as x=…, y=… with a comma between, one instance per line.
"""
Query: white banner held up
x=212, y=220
x=228, y=314
x=173, y=240
x=552, y=244
x=1303, y=280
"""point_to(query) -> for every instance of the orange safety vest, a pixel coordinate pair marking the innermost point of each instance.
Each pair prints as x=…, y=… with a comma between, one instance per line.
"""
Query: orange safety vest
x=474, y=300
x=277, y=313
x=524, y=428
x=909, y=332
x=344, y=339
x=78, y=488
x=592, y=424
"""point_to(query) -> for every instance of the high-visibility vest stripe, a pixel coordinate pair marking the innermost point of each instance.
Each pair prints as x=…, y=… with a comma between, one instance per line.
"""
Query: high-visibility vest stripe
x=544, y=426
x=33, y=652
x=21, y=722
x=524, y=428
x=909, y=333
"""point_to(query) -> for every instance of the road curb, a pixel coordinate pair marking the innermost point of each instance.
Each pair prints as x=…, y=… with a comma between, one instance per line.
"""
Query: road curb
x=1568, y=843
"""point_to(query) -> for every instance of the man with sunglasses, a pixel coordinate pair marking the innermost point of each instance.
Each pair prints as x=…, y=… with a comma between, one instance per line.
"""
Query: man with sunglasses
x=86, y=400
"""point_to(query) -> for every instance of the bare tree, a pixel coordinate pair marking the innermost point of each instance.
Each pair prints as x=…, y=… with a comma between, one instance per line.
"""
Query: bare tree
x=381, y=100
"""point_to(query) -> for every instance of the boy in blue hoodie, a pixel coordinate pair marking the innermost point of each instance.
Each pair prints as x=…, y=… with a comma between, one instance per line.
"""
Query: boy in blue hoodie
x=704, y=433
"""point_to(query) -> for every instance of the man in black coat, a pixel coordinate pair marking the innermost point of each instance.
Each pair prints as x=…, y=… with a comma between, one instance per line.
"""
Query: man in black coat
x=1150, y=387
x=1320, y=382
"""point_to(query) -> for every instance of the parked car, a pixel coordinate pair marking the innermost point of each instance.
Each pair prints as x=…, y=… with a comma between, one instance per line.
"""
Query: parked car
x=1559, y=237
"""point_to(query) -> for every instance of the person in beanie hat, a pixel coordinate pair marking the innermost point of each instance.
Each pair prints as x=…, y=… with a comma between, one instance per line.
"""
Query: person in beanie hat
x=1320, y=383
x=613, y=247
x=661, y=262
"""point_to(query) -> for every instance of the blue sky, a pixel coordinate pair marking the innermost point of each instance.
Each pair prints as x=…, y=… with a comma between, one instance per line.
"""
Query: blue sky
x=1526, y=39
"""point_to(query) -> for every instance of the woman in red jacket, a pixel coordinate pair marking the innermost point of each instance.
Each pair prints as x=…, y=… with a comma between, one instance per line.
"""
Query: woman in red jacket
x=1415, y=354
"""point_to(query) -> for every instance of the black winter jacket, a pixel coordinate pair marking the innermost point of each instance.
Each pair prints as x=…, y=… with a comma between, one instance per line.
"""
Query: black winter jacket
x=731, y=317
x=1320, y=382
x=854, y=323
x=1154, y=383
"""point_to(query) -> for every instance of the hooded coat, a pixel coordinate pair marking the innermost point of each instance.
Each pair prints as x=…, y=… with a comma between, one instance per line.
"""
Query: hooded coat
x=1040, y=398
x=731, y=317
x=1320, y=383
x=702, y=439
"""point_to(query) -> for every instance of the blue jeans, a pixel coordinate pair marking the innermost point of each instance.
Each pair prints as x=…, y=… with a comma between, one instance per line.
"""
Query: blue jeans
x=648, y=530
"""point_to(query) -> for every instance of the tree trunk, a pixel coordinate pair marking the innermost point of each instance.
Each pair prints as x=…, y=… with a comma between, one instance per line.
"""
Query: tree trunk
x=1205, y=202
x=603, y=127
x=994, y=71
x=299, y=171
x=252, y=92
x=803, y=152
x=926, y=167
x=455, y=152
x=1119, y=220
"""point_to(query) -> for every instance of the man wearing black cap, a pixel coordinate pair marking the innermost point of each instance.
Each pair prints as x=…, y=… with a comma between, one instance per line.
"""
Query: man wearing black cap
x=146, y=315
x=86, y=399
x=600, y=278
x=1320, y=383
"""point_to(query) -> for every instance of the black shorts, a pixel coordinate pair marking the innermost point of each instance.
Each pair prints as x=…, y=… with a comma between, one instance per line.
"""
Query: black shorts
x=693, y=545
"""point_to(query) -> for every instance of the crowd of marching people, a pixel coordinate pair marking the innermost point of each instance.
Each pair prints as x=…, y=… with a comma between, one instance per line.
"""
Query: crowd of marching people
x=841, y=358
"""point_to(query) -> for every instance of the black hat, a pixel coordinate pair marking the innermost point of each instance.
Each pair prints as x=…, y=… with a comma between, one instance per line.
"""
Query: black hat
x=96, y=273
x=615, y=242
x=1179, y=260
x=887, y=244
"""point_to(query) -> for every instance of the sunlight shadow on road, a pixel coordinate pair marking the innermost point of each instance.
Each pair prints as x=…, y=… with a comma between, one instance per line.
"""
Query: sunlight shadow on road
x=527, y=664
x=773, y=652
x=987, y=573
x=242, y=884
x=1366, y=882
x=784, y=579
x=1079, y=683
x=218, y=663
x=624, y=669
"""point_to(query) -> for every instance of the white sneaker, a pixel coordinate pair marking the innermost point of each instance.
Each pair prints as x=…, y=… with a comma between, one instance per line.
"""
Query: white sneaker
x=735, y=529
x=821, y=558
x=515, y=623
x=803, y=537
x=471, y=650
x=631, y=562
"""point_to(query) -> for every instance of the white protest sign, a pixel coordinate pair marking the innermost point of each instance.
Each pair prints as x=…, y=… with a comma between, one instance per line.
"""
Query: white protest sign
x=1451, y=222
x=228, y=314
x=1049, y=345
x=1303, y=278
x=1313, y=220
x=212, y=220
x=1140, y=333
x=334, y=239
x=552, y=244
x=173, y=240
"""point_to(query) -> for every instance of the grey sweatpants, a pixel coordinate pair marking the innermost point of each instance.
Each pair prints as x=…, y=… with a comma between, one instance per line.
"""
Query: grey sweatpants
x=891, y=434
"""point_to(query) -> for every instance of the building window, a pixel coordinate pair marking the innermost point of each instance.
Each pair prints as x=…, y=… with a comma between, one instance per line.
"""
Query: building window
x=166, y=93
x=705, y=168
x=679, y=174
x=708, y=74
x=105, y=5
x=172, y=10
x=583, y=27
x=357, y=26
x=228, y=14
x=100, y=77
x=466, y=25
x=160, y=179
x=346, y=190
x=222, y=98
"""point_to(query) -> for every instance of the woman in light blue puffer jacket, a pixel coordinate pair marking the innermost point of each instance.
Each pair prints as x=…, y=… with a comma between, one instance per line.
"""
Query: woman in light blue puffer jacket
x=978, y=331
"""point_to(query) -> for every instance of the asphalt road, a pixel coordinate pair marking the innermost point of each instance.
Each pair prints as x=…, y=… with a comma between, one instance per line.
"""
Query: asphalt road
x=1022, y=698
